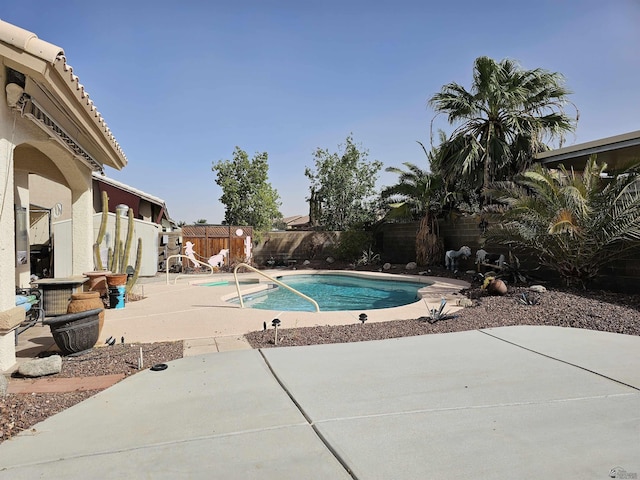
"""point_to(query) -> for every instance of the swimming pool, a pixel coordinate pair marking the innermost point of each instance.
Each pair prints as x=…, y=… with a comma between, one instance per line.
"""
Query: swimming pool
x=334, y=292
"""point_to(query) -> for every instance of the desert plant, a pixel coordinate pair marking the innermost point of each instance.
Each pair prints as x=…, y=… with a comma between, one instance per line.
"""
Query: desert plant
x=573, y=223
x=525, y=299
x=438, y=314
x=369, y=257
x=118, y=255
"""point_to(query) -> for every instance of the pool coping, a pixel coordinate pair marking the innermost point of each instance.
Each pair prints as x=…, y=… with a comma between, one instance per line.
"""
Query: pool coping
x=181, y=311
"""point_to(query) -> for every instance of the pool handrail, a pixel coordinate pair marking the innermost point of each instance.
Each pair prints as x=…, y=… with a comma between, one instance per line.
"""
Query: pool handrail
x=235, y=276
x=180, y=255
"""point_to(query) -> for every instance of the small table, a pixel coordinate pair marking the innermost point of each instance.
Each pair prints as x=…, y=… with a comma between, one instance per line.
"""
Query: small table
x=56, y=293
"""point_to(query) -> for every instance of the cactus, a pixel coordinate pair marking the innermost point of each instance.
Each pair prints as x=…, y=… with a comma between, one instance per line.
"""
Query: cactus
x=118, y=254
x=134, y=278
x=128, y=242
x=101, y=232
x=115, y=265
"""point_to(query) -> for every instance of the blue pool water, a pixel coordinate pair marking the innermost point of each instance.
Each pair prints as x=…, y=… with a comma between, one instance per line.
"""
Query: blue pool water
x=333, y=293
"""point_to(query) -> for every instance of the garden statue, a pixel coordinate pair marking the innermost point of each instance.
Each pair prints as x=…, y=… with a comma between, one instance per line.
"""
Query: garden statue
x=451, y=257
x=188, y=251
x=482, y=256
x=218, y=260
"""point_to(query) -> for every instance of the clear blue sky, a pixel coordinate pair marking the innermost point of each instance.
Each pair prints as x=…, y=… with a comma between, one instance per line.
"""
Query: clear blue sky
x=182, y=83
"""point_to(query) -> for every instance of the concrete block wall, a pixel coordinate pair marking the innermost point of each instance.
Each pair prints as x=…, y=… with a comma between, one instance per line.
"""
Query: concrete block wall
x=295, y=245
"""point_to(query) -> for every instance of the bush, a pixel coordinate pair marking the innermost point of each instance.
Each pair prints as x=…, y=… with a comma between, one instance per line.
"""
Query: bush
x=352, y=243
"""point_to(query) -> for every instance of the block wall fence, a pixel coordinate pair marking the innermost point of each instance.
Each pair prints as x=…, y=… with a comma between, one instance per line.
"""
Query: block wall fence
x=396, y=244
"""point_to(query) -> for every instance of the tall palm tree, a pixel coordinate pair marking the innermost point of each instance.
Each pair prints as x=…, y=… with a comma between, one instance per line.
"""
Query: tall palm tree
x=502, y=122
x=573, y=223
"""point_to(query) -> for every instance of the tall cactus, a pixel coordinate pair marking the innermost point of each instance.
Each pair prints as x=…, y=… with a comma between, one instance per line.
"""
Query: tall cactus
x=116, y=260
x=118, y=254
x=134, y=278
x=97, y=259
x=128, y=242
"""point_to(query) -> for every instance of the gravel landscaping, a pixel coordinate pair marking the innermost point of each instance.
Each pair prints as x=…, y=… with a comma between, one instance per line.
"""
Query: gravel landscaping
x=596, y=310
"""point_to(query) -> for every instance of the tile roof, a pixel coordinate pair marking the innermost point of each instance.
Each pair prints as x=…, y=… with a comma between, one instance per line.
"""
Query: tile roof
x=54, y=55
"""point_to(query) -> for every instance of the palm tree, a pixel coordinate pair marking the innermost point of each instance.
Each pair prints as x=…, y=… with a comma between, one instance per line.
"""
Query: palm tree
x=418, y=194
x=573, y=223
x=502, y=122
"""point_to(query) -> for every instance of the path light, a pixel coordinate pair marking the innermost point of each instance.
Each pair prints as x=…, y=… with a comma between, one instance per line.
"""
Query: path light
x=363, y=318
x=275, y=322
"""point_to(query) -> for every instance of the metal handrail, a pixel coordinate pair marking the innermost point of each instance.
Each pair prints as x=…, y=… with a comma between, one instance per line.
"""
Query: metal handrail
x=180, y=255
x=235, y=276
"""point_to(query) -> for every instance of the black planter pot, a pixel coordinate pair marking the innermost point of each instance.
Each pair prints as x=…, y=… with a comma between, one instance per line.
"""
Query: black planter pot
x=75, y=332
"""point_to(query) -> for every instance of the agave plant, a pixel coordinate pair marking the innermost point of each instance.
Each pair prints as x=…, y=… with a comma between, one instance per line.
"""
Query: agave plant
x=525, y=299
x=573, y=223
x=368, y=257
x=438, y=314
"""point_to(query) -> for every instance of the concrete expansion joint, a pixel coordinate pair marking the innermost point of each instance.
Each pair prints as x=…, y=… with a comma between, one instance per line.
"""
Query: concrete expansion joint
x=559, y=360
x=310, y=422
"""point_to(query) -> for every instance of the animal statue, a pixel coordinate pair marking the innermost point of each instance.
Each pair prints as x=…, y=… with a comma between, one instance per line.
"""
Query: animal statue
x=482, y=256
x=218, y=260
x=451, y=257
x=188, y=251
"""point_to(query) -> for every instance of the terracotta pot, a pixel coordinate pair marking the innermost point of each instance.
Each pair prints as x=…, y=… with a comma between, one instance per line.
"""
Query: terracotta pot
x=116, y=279
x=97, y=281
x=83, y=301
x=497, y=287
x=75, y=332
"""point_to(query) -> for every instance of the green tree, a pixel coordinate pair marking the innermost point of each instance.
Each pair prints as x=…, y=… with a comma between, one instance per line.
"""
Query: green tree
x=573, y=223
x=508, y=116
x=246, y=193
x=200, y=221
x=342, y=186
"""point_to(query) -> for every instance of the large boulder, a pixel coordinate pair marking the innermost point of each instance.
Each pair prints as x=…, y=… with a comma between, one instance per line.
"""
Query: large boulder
x=41, y=366
x=411, y=266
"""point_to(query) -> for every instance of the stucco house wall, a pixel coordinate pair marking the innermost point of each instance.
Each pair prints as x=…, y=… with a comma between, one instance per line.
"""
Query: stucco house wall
x=49, y=128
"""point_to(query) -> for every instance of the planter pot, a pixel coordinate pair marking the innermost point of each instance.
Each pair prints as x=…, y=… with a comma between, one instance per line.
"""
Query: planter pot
x=83, y=301
x=97, y=281
x=497, y=287
x=75, y=333
x=116, y=279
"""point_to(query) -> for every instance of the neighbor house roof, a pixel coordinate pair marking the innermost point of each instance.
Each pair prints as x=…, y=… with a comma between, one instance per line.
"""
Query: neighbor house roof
x=296, y=221
x=52, y=86
x=614, y=151
x=134, y=191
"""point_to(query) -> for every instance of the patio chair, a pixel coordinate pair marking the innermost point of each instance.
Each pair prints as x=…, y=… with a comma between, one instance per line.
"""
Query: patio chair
x=31, y=300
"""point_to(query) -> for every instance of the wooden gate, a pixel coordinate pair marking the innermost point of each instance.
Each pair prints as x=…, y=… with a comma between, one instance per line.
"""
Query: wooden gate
x=209, y=240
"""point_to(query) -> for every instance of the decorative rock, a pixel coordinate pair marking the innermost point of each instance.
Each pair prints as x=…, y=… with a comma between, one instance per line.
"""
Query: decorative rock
x=41, y=366
x=4, y=384
x=306, y=262
x=411, y=266
x=464, y=302
x=537, y=288
x=386, y=266
x=330, y=260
